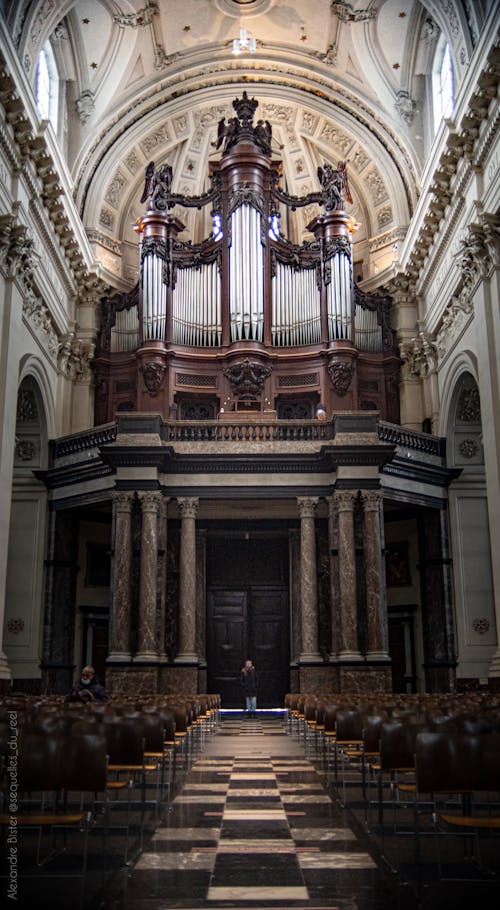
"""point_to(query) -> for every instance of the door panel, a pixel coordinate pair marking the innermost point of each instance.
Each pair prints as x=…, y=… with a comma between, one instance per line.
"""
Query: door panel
x=227, y=642
x=269, y=643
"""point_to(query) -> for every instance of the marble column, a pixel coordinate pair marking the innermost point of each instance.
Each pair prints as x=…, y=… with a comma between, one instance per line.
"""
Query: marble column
x=308, y=580
x=162, y=576
x=333, y=542
x=349, y=649
x=147, y=644
x=374, y=578
x=188, y=508
x=122, y=578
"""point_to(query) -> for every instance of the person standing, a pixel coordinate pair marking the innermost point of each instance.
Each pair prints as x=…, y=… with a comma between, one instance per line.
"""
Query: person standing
x=249, y=683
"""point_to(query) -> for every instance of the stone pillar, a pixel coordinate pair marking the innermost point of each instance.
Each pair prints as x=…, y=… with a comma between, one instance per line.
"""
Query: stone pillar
x=122, y=578
x=333, y=540
x=188, y=508
x=308, y=580
x=349, y=648
x=148, y=646
x=374, y=577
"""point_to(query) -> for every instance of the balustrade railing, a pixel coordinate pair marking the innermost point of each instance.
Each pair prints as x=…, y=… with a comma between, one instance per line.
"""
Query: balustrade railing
x=253, y=429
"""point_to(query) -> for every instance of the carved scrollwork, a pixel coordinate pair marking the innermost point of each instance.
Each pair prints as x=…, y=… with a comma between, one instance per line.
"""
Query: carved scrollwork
x=153, y=374
x=341, y=374
x=247, y=377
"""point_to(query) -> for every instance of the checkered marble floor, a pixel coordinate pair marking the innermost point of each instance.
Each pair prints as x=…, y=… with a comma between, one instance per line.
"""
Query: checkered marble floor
x=254, y=827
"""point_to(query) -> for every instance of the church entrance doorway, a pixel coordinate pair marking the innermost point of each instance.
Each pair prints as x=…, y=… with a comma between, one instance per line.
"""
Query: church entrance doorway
x=247, y=617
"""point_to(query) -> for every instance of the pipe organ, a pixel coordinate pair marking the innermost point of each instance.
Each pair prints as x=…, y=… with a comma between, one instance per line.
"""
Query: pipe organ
x=246, y=294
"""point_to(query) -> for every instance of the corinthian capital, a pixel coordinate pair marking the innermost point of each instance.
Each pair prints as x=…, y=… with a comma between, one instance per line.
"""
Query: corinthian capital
x=188, y=506
x=307, y=506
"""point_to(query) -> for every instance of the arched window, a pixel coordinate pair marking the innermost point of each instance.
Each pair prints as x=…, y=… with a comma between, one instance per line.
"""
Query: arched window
x=443, y=84
x=47, y=86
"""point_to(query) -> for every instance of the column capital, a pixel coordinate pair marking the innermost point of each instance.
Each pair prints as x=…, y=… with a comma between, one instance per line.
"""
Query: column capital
x=307, y=506
x=122, y=500
x=188, y=506
x=371, y=500
x=150, y=501
x=345, y=499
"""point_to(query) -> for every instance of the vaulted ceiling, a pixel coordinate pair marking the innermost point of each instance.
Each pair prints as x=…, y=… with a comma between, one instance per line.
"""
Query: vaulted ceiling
x=150, y=81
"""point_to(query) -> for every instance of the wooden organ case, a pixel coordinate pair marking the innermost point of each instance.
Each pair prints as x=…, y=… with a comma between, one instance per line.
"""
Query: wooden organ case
x=246, y=321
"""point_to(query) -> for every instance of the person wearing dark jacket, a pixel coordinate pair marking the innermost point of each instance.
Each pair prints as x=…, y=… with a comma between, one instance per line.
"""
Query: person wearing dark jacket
x=88, y=688
x=249, y=683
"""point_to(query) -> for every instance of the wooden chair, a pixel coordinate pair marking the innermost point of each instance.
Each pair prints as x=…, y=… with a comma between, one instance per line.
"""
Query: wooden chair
x=53, y=771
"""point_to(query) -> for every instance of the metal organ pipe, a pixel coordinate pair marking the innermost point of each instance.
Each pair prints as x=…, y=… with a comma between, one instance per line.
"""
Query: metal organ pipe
x=154, y=299
x=296, y=317
x=246, y=274
x=125, y=332
x=339, y=296
x=196, y=306
x=368, y=331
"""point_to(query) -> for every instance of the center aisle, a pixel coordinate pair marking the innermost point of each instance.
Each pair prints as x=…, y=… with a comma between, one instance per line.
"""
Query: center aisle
x=253, y=826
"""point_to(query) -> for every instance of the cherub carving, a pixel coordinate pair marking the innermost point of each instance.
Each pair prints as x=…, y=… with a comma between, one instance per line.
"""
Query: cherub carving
x=334, y=185
x=157, y=185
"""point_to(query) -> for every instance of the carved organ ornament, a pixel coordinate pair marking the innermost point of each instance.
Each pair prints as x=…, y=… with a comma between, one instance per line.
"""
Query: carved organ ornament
x=246, y=299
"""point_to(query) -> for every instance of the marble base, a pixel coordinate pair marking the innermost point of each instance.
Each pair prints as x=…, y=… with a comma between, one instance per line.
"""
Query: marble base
x=365, y=679
x=131, y=680
x=317, y=680
x=178, y=679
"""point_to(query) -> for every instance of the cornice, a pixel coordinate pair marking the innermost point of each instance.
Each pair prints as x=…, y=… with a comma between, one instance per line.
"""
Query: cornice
x=28, y=143
x=460, y=141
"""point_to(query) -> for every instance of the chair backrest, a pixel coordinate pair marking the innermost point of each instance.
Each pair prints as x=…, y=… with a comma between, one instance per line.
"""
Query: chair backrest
x=398, y=743
x=40, y=761
x=349, y=725
x=85, y=760
x=124, y=740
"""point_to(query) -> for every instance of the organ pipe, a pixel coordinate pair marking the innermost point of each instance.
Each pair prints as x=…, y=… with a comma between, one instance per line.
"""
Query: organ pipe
x=246, y=272
x=339, y=295
x=196, y=306
x=296, y=317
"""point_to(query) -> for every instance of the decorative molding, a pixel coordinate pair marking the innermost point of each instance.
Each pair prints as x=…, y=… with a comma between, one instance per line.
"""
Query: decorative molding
x=153, y=374
x=469, y=448
x=74, y=358
x=405, y=106
x=419, y=356
x=247, y=377
x=469, y=405
x=85, y=106
x=345, y=12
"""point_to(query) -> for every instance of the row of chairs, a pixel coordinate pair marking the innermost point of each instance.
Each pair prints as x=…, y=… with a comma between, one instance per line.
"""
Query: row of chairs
x=78, y=774
x=418, y=766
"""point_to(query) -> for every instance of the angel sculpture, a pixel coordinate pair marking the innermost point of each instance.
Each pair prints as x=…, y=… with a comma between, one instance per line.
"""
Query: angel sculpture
x=263, y=135
x=227, y=132
x=157, y=185
x=334, y=185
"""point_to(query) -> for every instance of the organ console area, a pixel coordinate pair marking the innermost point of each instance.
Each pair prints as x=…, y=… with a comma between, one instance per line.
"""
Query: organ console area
x=246, y=322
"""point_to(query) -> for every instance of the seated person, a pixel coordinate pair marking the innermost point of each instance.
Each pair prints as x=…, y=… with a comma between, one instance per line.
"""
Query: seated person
x=88, y=688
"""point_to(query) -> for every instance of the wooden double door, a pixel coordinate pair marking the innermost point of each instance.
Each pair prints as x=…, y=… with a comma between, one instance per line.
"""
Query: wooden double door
x=247, y=617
